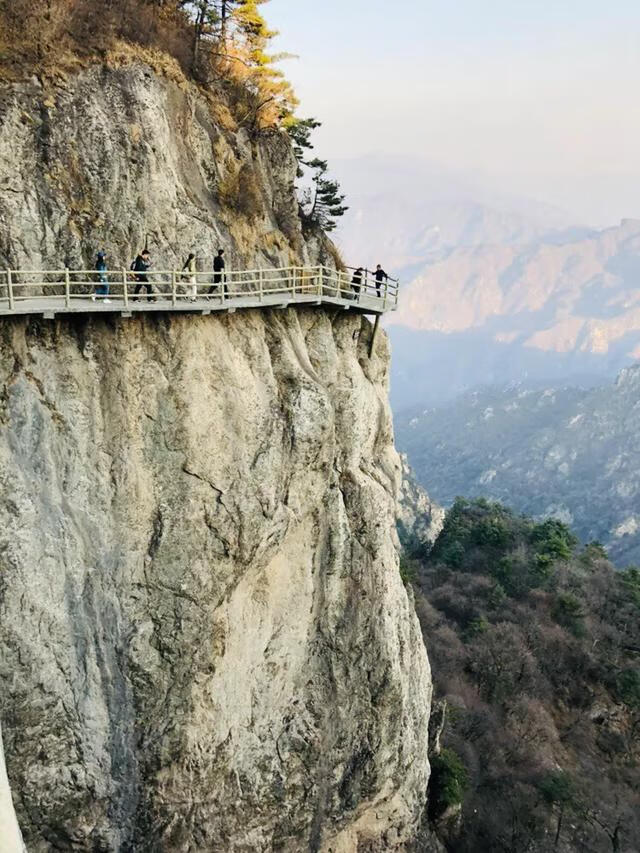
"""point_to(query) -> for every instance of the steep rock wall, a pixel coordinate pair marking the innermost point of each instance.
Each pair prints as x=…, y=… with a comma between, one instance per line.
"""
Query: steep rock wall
x=115, y=156
x=205, y=643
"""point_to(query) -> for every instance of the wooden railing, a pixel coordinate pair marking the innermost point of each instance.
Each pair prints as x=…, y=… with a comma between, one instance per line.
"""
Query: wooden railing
x=56, y=291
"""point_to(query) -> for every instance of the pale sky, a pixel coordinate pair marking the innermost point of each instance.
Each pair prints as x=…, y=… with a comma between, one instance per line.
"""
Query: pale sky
x=539, y=97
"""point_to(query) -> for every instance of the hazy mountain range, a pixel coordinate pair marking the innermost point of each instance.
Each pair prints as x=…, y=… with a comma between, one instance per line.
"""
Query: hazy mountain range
x=567, y=452
x=495, y=288
x=406, y=213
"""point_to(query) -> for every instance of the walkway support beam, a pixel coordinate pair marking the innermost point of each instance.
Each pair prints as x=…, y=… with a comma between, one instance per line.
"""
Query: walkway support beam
x=374, y=335
x=10, y=290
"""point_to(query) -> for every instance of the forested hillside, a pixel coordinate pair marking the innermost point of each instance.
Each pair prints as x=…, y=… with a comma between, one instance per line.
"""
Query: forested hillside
x=568, y=452
x=534, y=644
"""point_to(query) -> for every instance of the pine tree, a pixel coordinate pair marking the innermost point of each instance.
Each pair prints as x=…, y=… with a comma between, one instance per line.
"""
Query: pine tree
x=239, y=37
x=299, y=130
x=324, y=203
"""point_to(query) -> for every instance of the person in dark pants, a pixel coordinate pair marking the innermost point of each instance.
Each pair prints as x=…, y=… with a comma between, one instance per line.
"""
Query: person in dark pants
x=356, y=281
x=218, y=274
x=380, y=276
x=103, y=287
x=141, y=267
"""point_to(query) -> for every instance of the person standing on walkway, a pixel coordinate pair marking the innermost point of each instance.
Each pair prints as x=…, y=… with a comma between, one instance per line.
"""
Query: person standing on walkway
x=103, y=279
x=191, y=268
x=141, y=267
x=218, y=273
x=356, y=281
x=380, y=276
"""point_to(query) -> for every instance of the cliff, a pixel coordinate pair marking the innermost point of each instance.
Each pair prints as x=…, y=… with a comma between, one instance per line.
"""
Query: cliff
x=205, y=643
x=9, y=830
x=118, y=155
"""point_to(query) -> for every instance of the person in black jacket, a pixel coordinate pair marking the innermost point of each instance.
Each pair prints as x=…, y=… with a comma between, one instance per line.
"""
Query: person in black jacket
x=380, y=276
x=218, y=273
x=141, y=267
x=356, y=281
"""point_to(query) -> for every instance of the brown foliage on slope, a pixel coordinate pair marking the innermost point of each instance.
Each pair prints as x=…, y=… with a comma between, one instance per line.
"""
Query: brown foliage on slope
x=535, y=645
x=43, y=32
x=48, y=37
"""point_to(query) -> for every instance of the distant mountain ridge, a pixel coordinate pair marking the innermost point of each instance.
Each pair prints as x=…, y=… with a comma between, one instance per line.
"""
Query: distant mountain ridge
x=406, y=213
x=566, y=452
x=494, y=287
x=491, y=314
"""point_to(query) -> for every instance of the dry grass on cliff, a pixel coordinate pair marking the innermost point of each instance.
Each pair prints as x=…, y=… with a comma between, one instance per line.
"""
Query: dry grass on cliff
x=239, y=192
x=47, y=35
x=53, y=37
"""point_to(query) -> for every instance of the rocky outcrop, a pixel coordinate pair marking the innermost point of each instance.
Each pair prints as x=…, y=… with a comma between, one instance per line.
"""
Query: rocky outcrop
x=205, y=643
x=420, y=519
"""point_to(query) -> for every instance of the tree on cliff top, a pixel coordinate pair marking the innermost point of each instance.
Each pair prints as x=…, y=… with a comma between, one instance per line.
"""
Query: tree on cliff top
x=321, y=203
x=216, y=42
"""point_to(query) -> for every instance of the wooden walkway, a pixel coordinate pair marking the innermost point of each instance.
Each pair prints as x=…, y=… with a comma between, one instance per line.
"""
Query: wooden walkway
x=50, y=292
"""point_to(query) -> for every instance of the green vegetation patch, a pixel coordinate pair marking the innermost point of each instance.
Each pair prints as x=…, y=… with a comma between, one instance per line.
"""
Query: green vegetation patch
x=449, y=781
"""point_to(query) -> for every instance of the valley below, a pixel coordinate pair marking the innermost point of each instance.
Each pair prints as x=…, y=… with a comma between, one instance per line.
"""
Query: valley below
x=564, y=452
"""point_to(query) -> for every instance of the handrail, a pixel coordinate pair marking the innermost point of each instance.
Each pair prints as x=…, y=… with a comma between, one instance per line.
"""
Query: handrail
x=67, y=289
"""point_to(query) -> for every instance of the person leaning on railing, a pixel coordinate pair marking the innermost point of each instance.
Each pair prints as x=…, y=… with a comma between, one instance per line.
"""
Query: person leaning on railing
x=380, y=277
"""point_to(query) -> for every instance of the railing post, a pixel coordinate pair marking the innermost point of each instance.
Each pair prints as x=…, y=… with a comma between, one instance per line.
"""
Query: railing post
x=124, y=288
x=320, y=281
x=10, y=289
x=260, y=284
x=293, y=282
x=386, y=290
x=174, y=294
x=67, y=288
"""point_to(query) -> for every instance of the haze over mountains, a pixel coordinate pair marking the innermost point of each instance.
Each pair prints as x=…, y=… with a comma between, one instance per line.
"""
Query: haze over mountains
x=409, y=213
x=496, y=288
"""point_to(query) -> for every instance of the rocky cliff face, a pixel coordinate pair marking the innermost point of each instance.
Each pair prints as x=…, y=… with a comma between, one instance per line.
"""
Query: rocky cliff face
x=205, y=643
x=420, y=519
x=9, y=830
x=116, y=156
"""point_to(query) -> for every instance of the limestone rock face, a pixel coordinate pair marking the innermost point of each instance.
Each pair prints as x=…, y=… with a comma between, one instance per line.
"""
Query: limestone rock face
x=116, y=157
x=205, y=643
